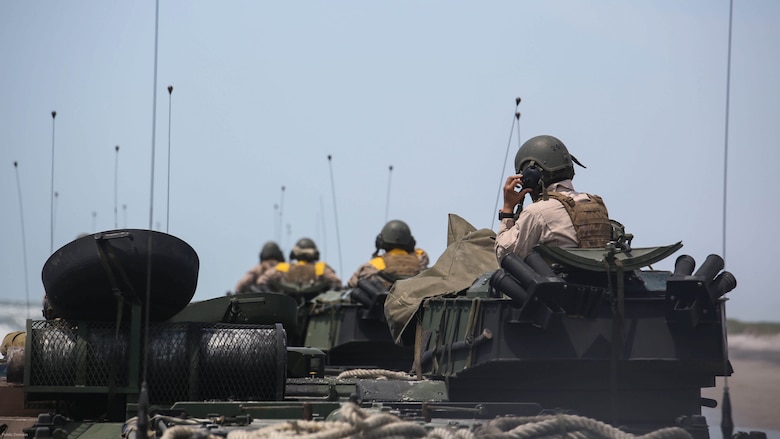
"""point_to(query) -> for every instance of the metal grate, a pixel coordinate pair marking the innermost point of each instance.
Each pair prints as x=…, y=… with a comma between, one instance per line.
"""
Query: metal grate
x=77, y=354
x=204, y=361
x=187, y=361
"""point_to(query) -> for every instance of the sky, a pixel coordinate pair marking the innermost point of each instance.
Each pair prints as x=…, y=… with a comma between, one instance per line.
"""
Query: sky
x=265, y=92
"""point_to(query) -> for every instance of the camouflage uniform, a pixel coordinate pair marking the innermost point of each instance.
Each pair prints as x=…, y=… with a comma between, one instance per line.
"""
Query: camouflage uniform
x=251, y=276
x=543, y=222
x=301, y=272
x=397, y=263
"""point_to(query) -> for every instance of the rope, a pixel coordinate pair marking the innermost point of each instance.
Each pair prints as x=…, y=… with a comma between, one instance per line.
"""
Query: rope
x=183, y=432
x=376, y=374
x=371, y=424
x=307, y=429
x=355, y=422
x=566, y=426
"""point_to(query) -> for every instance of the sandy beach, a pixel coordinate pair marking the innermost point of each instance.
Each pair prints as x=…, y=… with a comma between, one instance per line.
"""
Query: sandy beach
x=754, y=388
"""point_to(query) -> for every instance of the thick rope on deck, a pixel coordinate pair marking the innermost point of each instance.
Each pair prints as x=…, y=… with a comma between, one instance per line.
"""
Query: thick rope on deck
x=566, y=426
x=376, y=374
x=355, y=422
x=185, y=432
x=370, y=424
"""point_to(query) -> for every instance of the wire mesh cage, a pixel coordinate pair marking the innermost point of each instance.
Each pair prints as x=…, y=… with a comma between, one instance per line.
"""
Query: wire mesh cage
x=187, y=361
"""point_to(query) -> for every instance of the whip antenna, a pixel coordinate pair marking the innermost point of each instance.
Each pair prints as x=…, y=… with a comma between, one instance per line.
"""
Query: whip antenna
x=726, y=134
x=387, y=203
x=24, y=243
x=116, y=184
x=168, y=195
x=277, y=226
x=94, y=221
x=335, y=212
x=124, y=212
x=281, y=215
x=143, y=395
x=726, y=423
x=324, y=236
x=56, y=198
x=515, y=118
x=51, y=219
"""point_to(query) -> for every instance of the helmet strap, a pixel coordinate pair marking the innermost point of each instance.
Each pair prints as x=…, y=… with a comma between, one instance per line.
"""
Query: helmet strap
x=574, y=159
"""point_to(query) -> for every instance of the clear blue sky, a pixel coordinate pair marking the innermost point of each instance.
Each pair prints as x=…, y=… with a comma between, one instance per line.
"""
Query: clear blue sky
x=265, y=91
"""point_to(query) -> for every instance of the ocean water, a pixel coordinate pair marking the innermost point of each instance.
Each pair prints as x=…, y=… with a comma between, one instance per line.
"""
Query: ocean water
x=766, y=349
x=14, y=315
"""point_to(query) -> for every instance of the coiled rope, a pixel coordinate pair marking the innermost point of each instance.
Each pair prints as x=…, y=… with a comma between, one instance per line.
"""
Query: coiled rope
x=371, y=424
x=376, y=374
x=355, y=422
x=566, y=426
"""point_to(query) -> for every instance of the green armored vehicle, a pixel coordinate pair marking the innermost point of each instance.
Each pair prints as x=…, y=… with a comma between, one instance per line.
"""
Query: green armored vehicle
x=579, y=340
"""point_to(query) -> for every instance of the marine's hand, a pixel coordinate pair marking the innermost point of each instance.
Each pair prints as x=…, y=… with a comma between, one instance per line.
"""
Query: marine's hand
x=512, y=196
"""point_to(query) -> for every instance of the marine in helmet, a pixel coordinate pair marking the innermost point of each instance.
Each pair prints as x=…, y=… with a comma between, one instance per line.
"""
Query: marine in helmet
x=399, y=258
x=270, y=255
x=304, y=272
x=559, y=215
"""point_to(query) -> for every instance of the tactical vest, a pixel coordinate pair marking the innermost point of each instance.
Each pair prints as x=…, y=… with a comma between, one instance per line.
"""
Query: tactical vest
x=301, y=273
x=590, y=219
x=396, y=264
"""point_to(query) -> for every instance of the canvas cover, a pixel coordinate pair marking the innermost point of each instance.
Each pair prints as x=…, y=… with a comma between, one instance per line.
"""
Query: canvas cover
x=469, y=254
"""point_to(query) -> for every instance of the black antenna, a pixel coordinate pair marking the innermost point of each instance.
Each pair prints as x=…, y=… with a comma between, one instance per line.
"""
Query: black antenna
x=24, y=243
x=124, y=212
x=168, y=196
x=116, y=185
x=51, y=220
x=515, y=118
x=281, y=215
x=726, y=134
x=726, y=421
x=335, y=212
x=324, y=235
x=277, y=225
x=56, y=198
x=143, y=396
x=387, y=203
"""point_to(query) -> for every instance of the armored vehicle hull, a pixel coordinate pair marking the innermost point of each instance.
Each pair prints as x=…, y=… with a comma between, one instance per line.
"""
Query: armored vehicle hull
x=624, y=347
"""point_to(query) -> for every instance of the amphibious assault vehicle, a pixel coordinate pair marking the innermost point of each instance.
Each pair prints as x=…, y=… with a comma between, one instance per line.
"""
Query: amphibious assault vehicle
x=564, y=337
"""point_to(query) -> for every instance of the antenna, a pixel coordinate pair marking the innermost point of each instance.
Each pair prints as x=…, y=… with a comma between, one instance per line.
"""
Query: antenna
x=51, y=220
x=277, y=226
x=335, y=212
x=516, y=118
x=24, y=243
x=56, y=198
x=124, y=211
x=726, y=422
x=726, y=134
x=324, y=236
x=116, y=184
x=387, y=203
x=281, y=215
x=94, y=221
x=168, y=196
x=143, y=396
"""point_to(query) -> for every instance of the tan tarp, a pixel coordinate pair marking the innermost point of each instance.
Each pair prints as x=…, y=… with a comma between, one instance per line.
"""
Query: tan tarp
x=469, y=254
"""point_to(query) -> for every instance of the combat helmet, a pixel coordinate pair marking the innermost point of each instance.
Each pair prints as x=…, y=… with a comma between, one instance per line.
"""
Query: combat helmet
x=550, y=155
x=305, y=250
x=395, y=234
x=271, y=250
